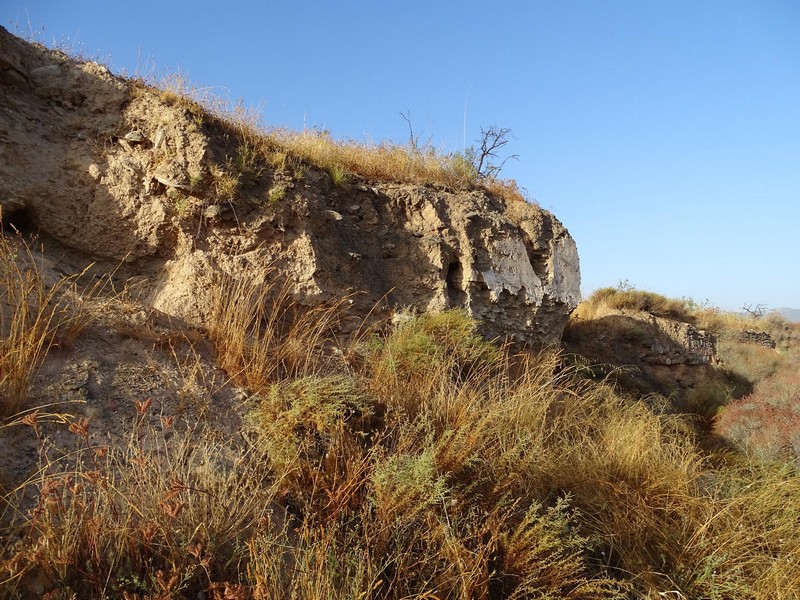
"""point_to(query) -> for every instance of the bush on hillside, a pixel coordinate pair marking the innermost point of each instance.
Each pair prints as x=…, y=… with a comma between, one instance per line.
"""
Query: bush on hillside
x=638, y=300
x=766, y=424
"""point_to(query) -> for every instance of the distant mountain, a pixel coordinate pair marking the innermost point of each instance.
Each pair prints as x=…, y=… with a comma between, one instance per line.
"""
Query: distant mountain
x=790, y=314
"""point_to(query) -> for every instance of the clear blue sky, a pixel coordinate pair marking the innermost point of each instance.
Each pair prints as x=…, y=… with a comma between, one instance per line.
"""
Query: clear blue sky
x=664, y=135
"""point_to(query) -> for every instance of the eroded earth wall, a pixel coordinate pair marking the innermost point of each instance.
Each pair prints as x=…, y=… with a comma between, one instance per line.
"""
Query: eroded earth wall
x=115, y=171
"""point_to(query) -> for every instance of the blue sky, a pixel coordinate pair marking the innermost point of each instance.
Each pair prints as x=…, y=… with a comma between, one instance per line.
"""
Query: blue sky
x=664, y=135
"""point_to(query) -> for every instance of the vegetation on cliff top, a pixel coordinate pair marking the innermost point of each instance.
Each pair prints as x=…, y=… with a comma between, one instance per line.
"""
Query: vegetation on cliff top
x=413, y=162
x=752, y=398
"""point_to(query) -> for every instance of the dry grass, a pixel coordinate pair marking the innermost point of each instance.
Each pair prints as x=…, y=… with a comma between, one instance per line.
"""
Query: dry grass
x=749, y=361
x=434, y=466
x=160, y=516
x=749, y=532
x=386, y=161
x=721, y=322
x=278, y=148
x=765, y=422
x=465, y=448
x=749, y=398
x=263, y=335
x=431, y=465
x=635, y=300
x=34, y=317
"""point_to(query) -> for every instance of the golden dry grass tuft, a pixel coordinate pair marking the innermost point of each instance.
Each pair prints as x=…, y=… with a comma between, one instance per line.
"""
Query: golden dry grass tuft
x=725, y=322
x=262, y=335
x=636, y=300
x=276, y=147
x=34, y=317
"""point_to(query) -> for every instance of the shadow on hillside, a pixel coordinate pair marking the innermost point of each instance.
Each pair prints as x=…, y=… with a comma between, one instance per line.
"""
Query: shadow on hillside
x=641, y=359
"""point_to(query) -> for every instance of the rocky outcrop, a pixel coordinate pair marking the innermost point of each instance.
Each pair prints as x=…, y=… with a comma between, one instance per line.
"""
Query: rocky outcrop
x=412, y=247
x=674, y=342
x=119, y=172
x=759, y=338
x=646, y=352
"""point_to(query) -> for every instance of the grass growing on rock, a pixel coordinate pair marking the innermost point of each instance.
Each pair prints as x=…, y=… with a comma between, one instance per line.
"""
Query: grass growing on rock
x=261, y=147
x=749, y=399
x=636, y=300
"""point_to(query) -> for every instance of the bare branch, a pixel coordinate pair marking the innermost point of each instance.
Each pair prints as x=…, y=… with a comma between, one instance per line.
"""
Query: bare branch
x=756, y=312
x=491, y=141
x=413, y=142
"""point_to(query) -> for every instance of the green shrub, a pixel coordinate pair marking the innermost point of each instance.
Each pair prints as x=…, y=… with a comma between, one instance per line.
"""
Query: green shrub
x=424, y=342
x=707, y=398
x=404, y=486
x=339, y=174
x=299, y=417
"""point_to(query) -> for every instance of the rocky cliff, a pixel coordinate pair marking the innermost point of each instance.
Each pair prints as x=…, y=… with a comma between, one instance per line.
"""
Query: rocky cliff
x=647, y=353
x=110, y=170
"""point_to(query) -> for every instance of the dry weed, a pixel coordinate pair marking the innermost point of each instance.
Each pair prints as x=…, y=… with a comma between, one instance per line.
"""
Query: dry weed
x=160, y=515
x=261, y=146
x=438, y=467
x=34, y=316
x=263, y=335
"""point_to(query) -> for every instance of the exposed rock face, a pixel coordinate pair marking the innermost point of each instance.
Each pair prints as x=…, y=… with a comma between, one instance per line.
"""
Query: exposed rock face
x=652, y=353
x=119, y=172
x=760, y=338
x=675, y=342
